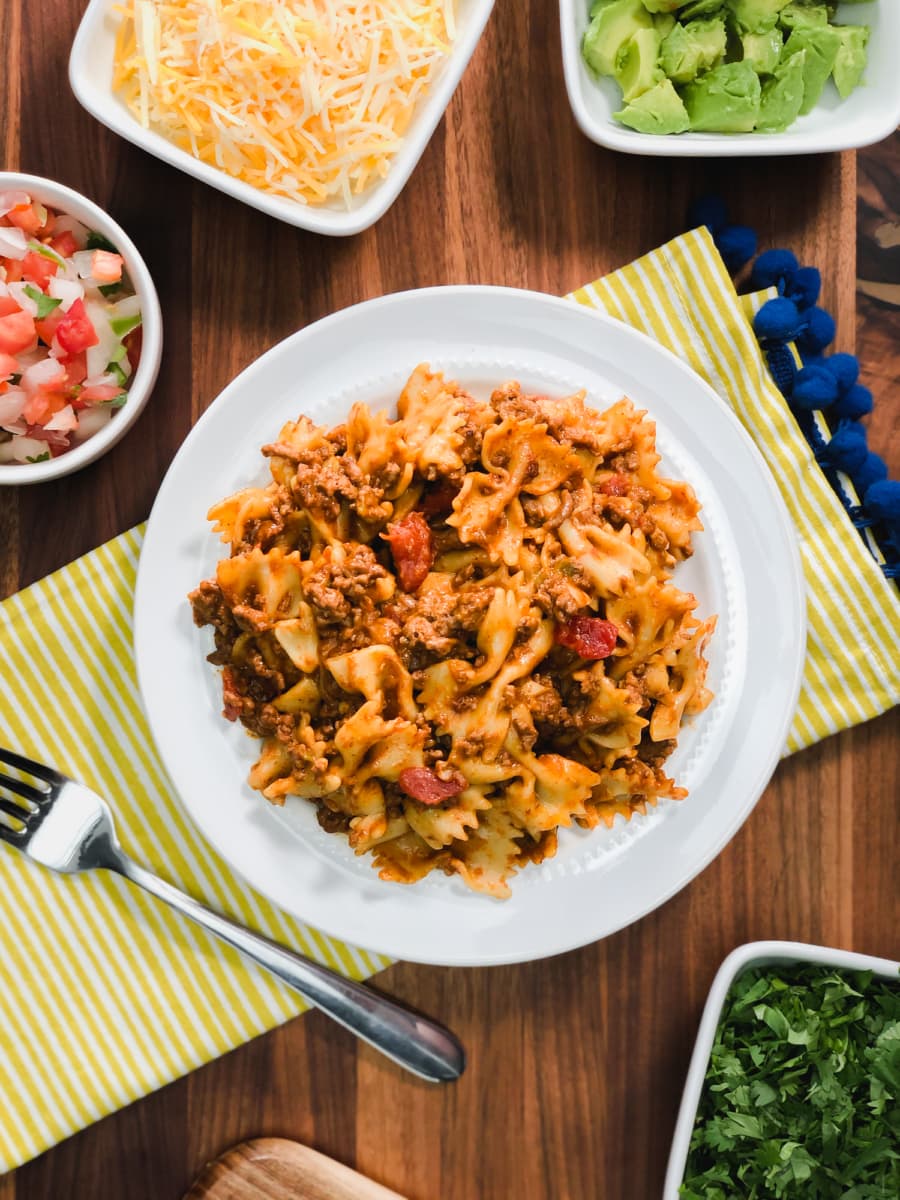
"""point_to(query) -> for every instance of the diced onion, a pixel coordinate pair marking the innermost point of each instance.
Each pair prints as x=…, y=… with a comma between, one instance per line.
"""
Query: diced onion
x=11, y=200
x=91, y=421
x=66, y=290
x=13, y=242
x=20, y=449
x=64, y=421
x=12, y=402
x=24, y=301
x=42, y=374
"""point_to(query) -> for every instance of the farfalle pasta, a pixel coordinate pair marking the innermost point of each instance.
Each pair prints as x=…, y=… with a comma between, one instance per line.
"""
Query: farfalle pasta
x=456, y=631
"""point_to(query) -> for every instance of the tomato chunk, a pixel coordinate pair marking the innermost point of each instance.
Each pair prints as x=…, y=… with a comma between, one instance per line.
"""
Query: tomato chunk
x=424, y=785
x=412, y=547
x=75, y=331
x=438, y=498
x=26, y=217
x=17, y=332
x=616, y=485
x=106, y=267
x=8, y=366
x=64, y=244
x=589, y=637
x=38, y=269
x=8, y=305
x=100, y=392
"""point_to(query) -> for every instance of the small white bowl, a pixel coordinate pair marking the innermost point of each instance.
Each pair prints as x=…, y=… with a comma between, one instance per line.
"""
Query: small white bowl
x=90, y=74
x=752, y=954
x=65, y=200
x=870, y=113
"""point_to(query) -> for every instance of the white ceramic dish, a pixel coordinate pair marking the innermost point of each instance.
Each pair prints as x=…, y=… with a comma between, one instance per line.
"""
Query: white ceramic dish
x=90, y=74
x=65, y=200
x=752, y=954
x=599, y=881
x=870, y=113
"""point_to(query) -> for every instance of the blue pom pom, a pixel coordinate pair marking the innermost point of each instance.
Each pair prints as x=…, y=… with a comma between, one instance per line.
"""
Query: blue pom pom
x=844, y=367
x=709, y=211
x=855, y=402
x=773, y=268
x=737, y=245
x=847, y=449
x=873, y=470
x=883, y=500
x=782, y=367
x=818, y=333
x=814, y=387
x=778, y=320
x=805, y=286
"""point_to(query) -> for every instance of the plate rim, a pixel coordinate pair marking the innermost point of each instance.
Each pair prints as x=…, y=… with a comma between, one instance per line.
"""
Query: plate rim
x=797, y=620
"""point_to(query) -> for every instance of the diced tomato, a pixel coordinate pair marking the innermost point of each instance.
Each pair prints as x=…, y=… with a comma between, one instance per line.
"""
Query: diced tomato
x=13, y=268
x=8, y=366
x=438, y=498
x=41, y=406
x=99, y=393
x=589, y=637
x=106, y=267
x=428, y=788
x=8, y=305
x=56, y=440
x=64, y=244
x=616, y=485
x=75, y=331
x=17, y=332
x=76, y=370
x=412, y=547
x=47, y=326
x=27, y=217
x=38, y=269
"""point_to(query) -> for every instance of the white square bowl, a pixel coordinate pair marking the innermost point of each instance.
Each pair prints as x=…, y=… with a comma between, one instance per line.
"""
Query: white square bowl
x=90, y=75
x=869, y=114
x=752, y=954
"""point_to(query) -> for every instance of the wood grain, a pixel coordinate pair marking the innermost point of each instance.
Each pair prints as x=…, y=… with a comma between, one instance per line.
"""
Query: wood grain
x=576, y=1063
x=279, y=1169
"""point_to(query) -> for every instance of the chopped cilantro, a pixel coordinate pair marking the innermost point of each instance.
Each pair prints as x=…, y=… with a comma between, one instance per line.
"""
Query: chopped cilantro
x=802, y=1092
x=38, y=457
x=117, y=401
x=45, y=304
x=109, y=289
x=96, y=241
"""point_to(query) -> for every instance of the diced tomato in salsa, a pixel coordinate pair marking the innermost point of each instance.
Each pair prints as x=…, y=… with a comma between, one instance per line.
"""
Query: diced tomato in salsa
x=17, y=332
x=75, y=331
x=37, y=269
x=26, y=217
x=64, y=244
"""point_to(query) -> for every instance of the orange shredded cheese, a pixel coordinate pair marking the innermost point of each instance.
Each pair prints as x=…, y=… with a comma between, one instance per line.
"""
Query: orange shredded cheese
x=308, y=99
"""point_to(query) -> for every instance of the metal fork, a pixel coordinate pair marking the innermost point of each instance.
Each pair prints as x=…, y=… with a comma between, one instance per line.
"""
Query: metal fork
x=64, y=825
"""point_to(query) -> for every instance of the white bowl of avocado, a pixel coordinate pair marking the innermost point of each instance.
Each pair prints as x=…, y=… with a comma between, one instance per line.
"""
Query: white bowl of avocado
x=732, y=77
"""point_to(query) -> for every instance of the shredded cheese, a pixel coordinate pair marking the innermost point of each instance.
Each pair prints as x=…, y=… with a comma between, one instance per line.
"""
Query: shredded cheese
x=307, y=99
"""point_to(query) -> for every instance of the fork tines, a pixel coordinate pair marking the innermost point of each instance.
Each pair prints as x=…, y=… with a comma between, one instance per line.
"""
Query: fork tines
x=30, y=767
x=26, y=797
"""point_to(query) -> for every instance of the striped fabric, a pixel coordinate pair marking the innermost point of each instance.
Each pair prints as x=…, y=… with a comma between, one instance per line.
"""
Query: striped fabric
x=123, y=996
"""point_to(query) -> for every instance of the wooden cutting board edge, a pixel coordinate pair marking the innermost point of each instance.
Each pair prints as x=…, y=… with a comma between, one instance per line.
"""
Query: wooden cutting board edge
x=272, y=1168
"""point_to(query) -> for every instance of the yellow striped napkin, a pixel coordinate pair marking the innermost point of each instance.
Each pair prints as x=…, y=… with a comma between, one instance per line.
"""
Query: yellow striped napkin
x=124, y=996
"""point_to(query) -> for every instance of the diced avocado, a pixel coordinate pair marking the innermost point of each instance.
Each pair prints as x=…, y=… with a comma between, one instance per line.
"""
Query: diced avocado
x=724, y=100
x=663, y=6
x=663, y=23
x=763, y=50
x=851, y=57
x=659, y=110
x=596, y=6
x=609, y=30
x=692, y=48
x=782, y=96
x=637, y=67
x=755, y=16
x=822, y=45
x=796, y=15
x=700, y=8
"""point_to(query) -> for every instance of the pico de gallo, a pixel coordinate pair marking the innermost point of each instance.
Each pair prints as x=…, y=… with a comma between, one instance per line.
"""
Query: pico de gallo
x=70, y=331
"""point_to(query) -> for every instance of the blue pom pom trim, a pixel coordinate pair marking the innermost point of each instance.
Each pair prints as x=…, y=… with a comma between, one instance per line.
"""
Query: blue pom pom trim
x=824, y=395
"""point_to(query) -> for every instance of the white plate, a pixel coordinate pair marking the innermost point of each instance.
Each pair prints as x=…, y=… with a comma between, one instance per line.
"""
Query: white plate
x=871, y=112
x=751, y=954
x=599, y=881
x=90, y=76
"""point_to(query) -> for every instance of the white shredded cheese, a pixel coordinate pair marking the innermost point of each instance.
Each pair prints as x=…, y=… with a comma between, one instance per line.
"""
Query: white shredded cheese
x=304, y=98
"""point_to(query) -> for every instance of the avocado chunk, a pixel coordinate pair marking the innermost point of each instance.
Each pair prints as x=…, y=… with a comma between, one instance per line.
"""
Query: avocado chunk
x=609, y=30
x=821, y=45
x=763, y=50
x=851, y=57
x=755, y=16
x=796, y=15
x=663, y=6
x=692, y=48
x=663, y=23
x=700, y=8
x=658, y=110
x=782, y=96
x=724, y=100
x=637, y=66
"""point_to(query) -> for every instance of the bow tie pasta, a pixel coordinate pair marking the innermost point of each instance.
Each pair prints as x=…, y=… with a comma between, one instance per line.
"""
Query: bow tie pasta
x=456, y=631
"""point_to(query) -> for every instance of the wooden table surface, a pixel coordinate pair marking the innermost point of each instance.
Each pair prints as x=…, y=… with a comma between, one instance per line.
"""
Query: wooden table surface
x=576, y=1063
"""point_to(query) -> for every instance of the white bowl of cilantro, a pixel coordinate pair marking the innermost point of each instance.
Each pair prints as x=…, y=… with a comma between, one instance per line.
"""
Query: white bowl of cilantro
x=716, y=78
x=793, y=1084
x=80, y=330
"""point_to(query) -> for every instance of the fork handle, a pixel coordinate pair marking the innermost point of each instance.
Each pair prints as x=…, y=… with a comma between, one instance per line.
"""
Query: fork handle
x=416, y=1043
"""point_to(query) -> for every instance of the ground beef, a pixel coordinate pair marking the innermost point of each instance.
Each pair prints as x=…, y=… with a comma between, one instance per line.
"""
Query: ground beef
x=334, y=588
x=559, y=595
